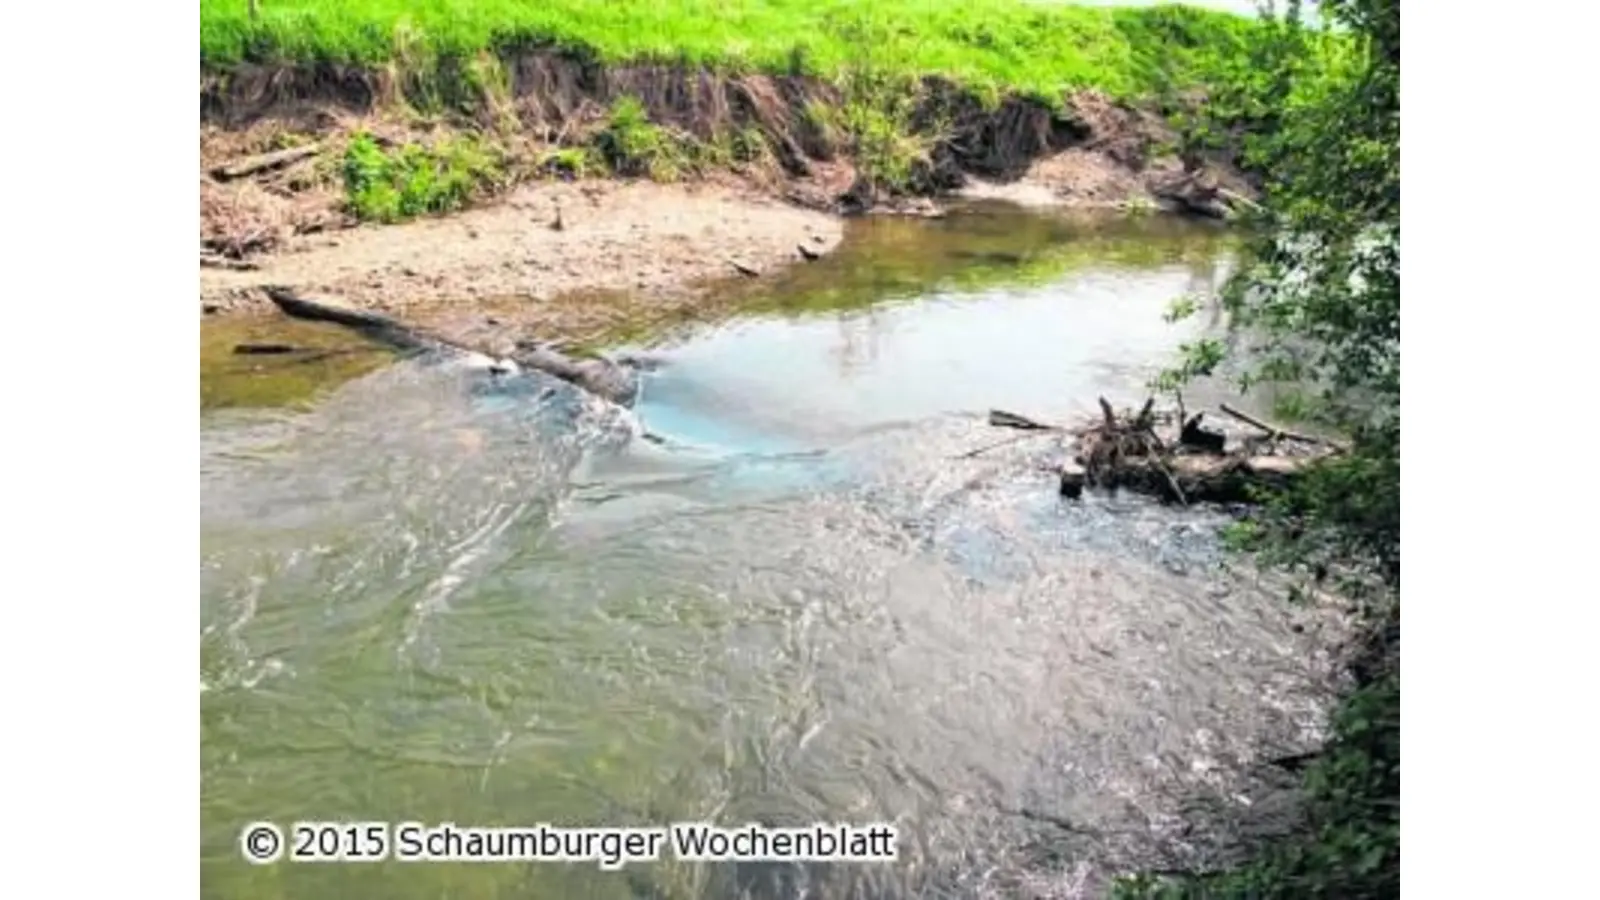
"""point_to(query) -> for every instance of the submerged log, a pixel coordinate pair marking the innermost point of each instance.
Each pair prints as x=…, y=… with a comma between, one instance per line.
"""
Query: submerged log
x=265, y=349
x=611, y=381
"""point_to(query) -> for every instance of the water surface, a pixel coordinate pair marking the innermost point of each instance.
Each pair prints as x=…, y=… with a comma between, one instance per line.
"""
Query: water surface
x=430, y=596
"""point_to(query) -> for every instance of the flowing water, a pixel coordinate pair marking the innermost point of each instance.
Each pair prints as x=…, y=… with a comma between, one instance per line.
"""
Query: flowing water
x=434, y=596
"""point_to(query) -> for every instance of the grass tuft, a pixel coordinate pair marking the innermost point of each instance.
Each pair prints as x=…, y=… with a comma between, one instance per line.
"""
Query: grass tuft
x=631, y=145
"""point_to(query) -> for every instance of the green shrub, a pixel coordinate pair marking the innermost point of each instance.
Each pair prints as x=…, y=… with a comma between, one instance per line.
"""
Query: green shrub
x=1317, y=297
x=571, y=162
x=632, y=145
x=413, y=180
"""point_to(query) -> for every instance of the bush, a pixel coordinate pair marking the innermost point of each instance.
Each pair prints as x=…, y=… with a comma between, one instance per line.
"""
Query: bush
x=414, y=180
x=632, y=146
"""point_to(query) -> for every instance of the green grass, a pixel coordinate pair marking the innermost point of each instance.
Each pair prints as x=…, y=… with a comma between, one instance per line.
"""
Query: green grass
x=988, y=45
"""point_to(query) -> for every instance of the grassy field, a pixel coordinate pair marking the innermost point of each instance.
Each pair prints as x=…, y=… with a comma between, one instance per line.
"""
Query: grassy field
x=998, y=45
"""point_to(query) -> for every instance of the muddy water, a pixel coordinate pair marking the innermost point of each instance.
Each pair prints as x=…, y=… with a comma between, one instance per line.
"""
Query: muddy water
x=428, y=596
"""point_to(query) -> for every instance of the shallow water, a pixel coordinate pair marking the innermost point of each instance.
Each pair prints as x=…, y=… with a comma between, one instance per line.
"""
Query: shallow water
x=433, y=597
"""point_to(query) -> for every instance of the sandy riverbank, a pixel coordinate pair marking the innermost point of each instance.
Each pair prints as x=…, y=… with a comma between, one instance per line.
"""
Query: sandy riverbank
x=575, y=257
x=654, y=244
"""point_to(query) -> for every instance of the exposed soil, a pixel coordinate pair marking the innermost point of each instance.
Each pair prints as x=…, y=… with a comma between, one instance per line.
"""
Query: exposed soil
x=626, y=249
x=653, y=244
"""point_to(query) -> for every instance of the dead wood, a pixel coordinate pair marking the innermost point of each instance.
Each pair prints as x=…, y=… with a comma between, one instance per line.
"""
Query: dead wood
x=1276, y=433
x=617, y=383
x=1030, y=435
x=266, y=349
x=1145, y=419
x=374, y=326
x=1204, y=479
x=1124, y=451
x=999, y=418
x=744, y=269
x=1110, y=416
x=1105, y=445
x=1202, y=439
x=1073, y=480
x=263, y=162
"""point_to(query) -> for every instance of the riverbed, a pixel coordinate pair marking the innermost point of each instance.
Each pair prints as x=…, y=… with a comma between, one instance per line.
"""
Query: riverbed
x=434, y=595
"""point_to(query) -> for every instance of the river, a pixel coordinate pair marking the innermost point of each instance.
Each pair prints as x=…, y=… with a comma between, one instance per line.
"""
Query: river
x=430, y=595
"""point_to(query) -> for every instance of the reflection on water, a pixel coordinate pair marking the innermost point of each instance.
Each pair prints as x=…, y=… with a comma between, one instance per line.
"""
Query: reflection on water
x=318, y=355
x=442, y=599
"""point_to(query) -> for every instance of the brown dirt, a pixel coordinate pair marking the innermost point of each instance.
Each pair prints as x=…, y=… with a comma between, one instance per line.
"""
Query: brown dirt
x=1121, y=159
x=650, y=241
x=627, y=248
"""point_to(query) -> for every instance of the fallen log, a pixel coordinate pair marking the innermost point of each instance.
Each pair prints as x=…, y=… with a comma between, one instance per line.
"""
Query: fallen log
x=371, y=325
x=253, y=164
x=611, y=381
x=1195, y=479
x=1276, y=433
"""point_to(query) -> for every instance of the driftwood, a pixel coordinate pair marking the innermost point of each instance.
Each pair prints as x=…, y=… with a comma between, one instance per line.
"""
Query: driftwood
x=1275, y=433
x=609, y=380
x=1125, y=451
x=1198, y=478
x=744, y=269
x=999, y=418
x=374, y=326
x=1202, y=439
x=1074, y=478
x=265, y=349
x=253, y=164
